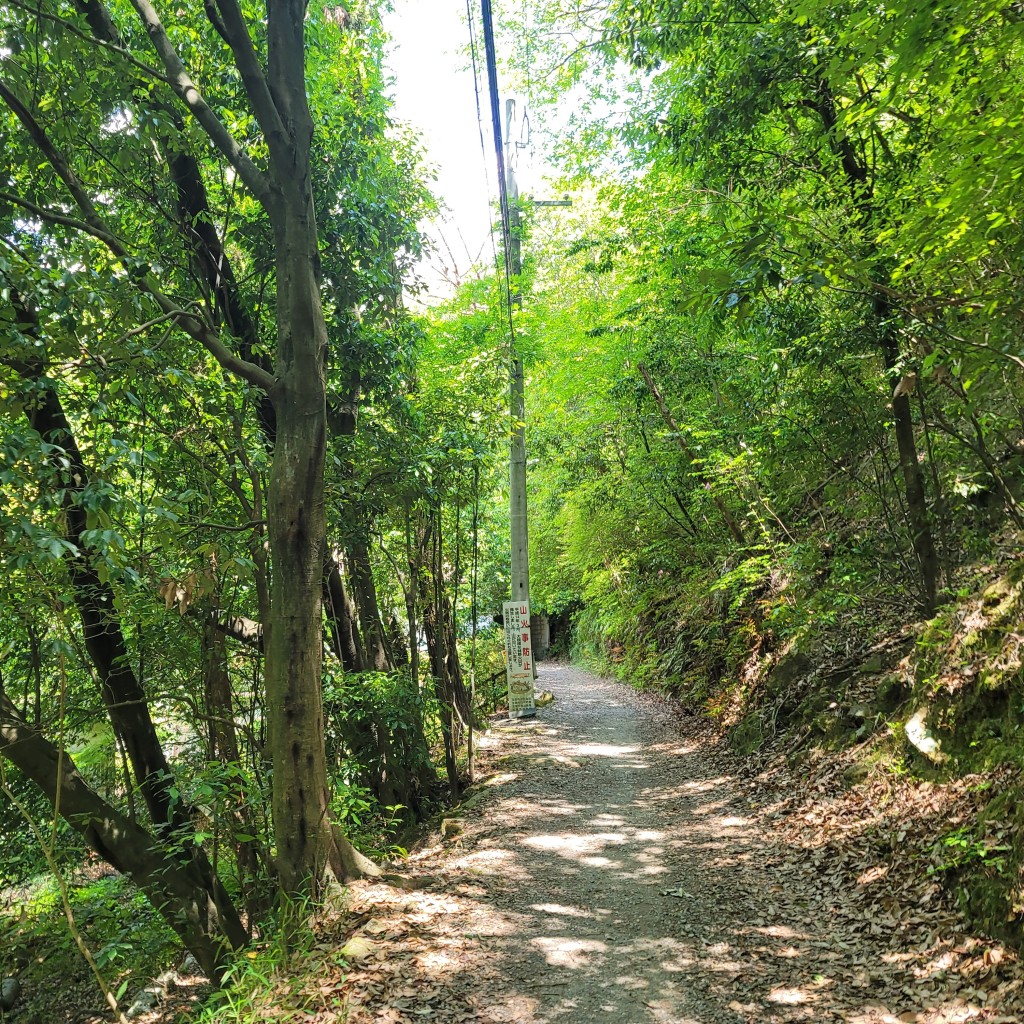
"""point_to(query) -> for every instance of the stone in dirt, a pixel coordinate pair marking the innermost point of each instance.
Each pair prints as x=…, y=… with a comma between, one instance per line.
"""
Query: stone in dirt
x=450, y=827
x=152, y=995
x=10, y=993
x=921, y=738
x=190, y=965
x=358, y=948
x=146, y=1001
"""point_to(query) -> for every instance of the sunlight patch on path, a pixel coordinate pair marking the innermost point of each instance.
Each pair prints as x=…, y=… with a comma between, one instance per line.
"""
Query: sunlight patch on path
x=572, y=953
x=615, y=871
x=602, y=750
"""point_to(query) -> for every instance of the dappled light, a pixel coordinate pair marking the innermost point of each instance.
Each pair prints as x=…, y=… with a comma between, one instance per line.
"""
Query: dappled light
x=604, y=750
x=305, y=469
x=582, y=893
x=571, y=953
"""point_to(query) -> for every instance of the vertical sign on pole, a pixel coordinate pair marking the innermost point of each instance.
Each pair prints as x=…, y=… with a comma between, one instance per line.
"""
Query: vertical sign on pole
x=518, y=659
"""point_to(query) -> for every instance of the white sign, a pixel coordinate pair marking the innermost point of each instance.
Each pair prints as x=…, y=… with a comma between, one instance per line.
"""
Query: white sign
x=518, y=659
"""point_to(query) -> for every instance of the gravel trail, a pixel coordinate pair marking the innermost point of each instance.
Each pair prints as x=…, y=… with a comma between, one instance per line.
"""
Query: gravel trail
x=619, y=847
x=615, y=865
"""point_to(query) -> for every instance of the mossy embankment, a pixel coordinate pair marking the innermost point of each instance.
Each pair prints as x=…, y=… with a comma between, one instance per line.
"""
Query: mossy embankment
x=838, y=679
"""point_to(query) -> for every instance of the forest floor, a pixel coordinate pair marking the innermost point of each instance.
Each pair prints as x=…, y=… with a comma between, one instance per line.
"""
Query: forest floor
x=619, y=863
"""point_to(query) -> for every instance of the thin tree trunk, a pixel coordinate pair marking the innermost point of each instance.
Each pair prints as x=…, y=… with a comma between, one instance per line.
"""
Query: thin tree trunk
x=858, y=179
x=341, y=616
x=412, y=599
x=123, y=695
x=941, y=516
x=457, y=685
x=277, y=91
x=702, y=474
x=175, y=884
x=379, y=656
x=910, y=465
x=436, y=636
x=439, y=674
x=223, y=747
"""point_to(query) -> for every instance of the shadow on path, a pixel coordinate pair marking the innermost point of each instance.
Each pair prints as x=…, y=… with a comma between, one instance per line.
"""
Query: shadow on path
x=615, y=871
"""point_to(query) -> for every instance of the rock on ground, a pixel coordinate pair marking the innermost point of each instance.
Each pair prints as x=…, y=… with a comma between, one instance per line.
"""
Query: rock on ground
x=10, y=991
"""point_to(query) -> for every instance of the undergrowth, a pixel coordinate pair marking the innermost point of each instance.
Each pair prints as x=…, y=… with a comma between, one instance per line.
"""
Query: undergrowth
x=809, y=652
x=128, y=939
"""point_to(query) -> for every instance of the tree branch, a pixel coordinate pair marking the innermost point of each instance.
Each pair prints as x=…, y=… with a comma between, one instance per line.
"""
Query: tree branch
x=286, y=77
x=244, y=630
x=190, y=95
x=213, y=15
x=194, y=206
x=62, y=170
x=253, y=78
x=94, y=225
x=110, y=43
x=56, y=217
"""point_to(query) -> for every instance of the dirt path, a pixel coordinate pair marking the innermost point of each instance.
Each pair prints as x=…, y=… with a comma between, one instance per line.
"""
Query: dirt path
x=613, y=869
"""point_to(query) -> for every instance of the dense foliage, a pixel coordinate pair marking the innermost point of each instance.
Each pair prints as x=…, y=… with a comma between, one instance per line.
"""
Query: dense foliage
x=780, y=369
x=244, y=491
x=253, y=508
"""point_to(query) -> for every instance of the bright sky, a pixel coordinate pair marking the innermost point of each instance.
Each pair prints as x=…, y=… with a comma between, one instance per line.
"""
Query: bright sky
x=434, y=93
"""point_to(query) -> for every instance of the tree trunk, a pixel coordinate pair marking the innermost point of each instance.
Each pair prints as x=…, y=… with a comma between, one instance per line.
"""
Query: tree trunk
x=859, y=180
x=123, y=695
x=341, y=616
x=457, y=685
x=918, y=518
x=293, y=624
x=296, y=523
x=173, y=882
x=379, y=657
x=439, y=673
x=434, y=628
x=223, y=747
x=413, y=560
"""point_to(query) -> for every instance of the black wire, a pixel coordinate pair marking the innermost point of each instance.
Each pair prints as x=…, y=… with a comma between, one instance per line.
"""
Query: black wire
x=471, y=20
x=499, y=149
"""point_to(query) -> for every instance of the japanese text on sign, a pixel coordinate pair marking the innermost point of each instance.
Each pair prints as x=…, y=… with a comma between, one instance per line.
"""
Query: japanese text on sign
x=518, y=659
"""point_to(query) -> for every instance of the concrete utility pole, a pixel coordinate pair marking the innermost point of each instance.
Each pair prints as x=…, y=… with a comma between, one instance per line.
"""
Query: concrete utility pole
x=517, y=400
x=520, y=652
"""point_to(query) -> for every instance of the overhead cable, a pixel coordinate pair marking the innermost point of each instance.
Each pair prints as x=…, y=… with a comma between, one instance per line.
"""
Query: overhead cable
x=499, y=149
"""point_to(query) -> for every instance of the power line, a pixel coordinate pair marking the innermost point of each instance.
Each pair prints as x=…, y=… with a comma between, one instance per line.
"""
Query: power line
x=499, y=149
x=471, y=20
